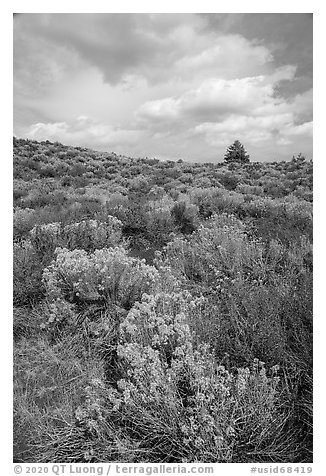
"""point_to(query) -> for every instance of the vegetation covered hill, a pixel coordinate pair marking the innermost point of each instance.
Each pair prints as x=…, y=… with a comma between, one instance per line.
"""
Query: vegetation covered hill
x=163, y=310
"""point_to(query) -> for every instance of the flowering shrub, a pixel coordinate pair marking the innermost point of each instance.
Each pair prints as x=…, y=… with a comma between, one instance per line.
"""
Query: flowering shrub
x=196, y=409
x=284, y=219
x=156, y=320
x=218, y=250
x=249, y=290
x=54, y=314
x=160, y=223
x=107, y=275
x=24, y=219
x=298, y=211
x=46, y=238
x=250, y=189
x=87, y=235
x=92, y=234
x=91, y=414
x=260, y=207
x=226, y=202
x=290, y=208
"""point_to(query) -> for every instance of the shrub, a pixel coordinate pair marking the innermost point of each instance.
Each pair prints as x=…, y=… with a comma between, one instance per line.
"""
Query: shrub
x=229, y=180
x=246, y=285
x=46, y=238
x=160, y=223
x=186, y=216
x=196, y=409
x=92, y=234
x=107, y=276
x=24, y=220
x=27, y=274
x=116, y=203
x=20, y=189
x=286, y=219
x=218, y=249
x=253, y=301
x=226, y=202
x=87, y=234
x=216, y=200
x=250, y=189
x=55, y=314
x=47, y=171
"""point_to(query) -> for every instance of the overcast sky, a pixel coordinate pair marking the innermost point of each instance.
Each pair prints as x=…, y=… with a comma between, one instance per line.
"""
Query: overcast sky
x=166, y=85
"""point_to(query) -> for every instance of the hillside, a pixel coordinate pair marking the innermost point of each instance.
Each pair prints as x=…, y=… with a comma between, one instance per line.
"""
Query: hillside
x=163, y=310
x=57, y=180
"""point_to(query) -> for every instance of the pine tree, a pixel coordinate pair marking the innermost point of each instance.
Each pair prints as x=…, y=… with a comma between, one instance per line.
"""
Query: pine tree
x=236, y=153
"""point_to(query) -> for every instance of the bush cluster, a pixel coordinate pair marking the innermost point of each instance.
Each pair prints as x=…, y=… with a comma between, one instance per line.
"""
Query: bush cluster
x=163, y=310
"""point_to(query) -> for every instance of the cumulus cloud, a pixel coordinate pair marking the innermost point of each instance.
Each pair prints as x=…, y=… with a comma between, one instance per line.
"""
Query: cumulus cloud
x=216, y=99
x=253, y=129
x=220, y=110
x=83, y=131
x=229, y=56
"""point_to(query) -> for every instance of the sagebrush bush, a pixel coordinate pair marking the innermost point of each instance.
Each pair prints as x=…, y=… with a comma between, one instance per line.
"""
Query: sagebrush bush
x=286, y=220
x=254, y=300
x=107, y=275
x=185, y=215
x=219, y=249
x=23, y=222
x=173, y=402
x=160, y=223
x=92, y=234
x=196, y=409
x=246, y=286
x=46, y=238
x=87, y=234
x=27, y=274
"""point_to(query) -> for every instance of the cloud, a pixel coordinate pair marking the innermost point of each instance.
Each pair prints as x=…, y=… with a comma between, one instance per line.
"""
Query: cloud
x=289, y=37
x=305, y=129
x=231, y=56
x=215, y=99
x=253, y=129
x=154, y=46
x=220, y=110
x=117, y=44
x=83, y=131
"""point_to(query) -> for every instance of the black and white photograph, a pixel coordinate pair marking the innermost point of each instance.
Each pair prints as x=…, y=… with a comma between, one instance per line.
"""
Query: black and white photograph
x=162, y=239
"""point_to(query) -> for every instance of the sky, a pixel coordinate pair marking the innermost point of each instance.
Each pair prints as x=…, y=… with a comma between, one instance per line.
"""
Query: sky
x=168, y=86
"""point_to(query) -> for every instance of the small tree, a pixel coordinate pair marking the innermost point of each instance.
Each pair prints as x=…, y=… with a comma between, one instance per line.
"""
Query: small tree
x=236, y=153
